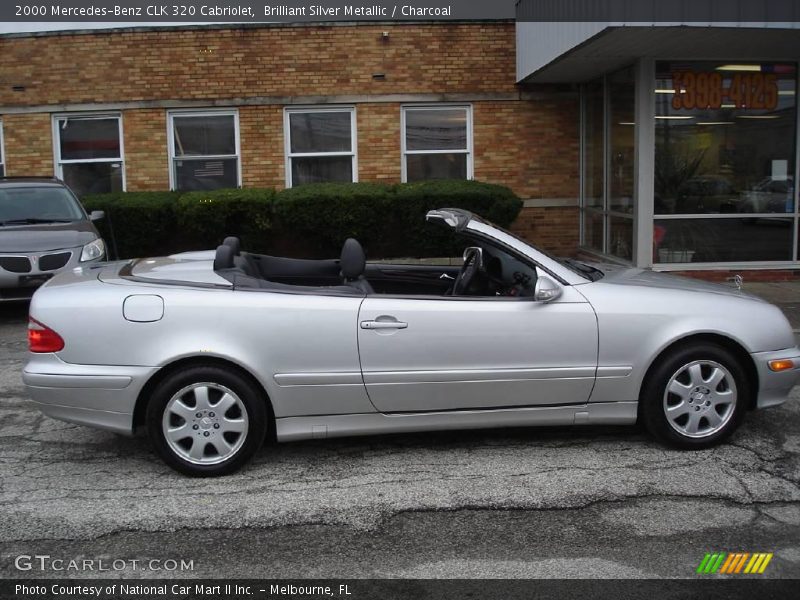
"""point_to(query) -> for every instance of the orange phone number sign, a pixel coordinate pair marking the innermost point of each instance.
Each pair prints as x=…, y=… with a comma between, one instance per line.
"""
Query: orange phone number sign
x=703, y=90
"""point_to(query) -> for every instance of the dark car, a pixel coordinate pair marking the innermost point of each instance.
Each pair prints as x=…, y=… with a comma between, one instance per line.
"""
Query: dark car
x=43, y=230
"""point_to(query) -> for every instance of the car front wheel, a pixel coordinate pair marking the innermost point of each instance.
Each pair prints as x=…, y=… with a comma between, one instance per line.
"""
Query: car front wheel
x=695, y=398
x=206, y=421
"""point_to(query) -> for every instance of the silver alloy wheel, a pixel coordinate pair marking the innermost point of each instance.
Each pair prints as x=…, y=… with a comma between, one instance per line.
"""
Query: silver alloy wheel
x=700, y=398
x=205, y=423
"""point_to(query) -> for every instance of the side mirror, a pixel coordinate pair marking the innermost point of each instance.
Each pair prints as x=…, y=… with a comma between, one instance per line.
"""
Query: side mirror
x=97, y=215
x=546, y=289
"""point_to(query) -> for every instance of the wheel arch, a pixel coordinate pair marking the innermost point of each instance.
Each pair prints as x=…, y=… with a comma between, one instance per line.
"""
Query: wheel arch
x=140, y=409
x=734, y=347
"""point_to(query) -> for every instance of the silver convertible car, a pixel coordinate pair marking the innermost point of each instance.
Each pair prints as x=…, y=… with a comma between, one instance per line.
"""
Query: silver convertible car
x=214, y=352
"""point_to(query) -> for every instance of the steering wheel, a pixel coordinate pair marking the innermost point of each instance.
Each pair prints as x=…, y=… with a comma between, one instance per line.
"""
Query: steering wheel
x=471, y=267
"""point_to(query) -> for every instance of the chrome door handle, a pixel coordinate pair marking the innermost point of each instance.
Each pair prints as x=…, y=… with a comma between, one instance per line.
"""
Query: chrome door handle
x=383, y=325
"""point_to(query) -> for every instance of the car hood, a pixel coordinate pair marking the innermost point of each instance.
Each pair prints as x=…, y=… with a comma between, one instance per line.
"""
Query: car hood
x=616, y=275
x=40, y=237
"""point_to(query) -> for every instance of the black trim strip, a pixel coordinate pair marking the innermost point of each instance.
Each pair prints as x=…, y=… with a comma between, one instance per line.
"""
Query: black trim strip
x=482, y=408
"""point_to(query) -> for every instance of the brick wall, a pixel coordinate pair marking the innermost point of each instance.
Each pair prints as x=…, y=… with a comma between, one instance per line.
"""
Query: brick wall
x=532, y=145
x=145, y=142
x=528, y=142
x=553, y=228
x=751, y=275
x=28, y=141
x=379, y=155
x=259, y=61
x=261, y=140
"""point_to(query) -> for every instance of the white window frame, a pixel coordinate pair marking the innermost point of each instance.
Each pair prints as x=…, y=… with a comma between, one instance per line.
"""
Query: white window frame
x=2, y=150
x=202, y=113
x=58, y=162
x=405, y=152
x=287, y=138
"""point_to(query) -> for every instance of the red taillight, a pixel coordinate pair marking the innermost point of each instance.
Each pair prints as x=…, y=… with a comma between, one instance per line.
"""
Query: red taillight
x=43, y=339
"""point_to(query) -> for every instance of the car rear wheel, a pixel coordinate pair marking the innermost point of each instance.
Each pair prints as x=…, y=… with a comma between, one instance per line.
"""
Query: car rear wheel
x=206, y=421
x=695, y=398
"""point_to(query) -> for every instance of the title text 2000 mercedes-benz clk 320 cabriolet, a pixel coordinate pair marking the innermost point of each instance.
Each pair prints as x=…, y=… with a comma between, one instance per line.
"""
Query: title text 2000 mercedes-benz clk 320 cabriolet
x=213, y=352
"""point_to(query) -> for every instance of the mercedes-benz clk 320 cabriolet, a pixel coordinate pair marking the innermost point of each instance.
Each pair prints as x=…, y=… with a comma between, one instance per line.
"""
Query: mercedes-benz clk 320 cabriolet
x=212, y=352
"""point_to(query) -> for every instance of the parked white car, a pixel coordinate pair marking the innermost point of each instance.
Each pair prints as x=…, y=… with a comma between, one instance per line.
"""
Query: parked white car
x=769, y=196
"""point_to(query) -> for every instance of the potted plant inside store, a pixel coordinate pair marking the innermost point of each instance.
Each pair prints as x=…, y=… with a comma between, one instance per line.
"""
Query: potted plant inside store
x=678, y=244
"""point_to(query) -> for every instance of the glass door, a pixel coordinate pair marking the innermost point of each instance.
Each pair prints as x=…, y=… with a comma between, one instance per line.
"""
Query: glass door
x=607, y=169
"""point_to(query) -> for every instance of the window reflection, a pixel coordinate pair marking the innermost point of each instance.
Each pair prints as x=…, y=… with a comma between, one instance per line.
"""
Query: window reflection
x=725, y=137
x=722, y=240
x=321, y=146
x=89, y=153
x=608, y=152
x=204, y=151
x=621, y=100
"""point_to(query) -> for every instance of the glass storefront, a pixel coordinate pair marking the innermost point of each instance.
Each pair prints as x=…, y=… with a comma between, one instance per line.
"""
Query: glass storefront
x=724, y=162
x=608, y=165
x=593, y=156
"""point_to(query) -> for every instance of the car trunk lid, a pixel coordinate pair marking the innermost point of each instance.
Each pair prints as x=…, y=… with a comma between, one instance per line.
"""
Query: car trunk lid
x=194, y=269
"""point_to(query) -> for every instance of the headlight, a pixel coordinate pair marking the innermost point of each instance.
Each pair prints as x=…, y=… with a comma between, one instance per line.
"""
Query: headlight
x=93, y=250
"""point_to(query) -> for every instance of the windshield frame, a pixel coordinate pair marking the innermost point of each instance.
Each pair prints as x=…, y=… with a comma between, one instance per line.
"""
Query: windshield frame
x=566, y=274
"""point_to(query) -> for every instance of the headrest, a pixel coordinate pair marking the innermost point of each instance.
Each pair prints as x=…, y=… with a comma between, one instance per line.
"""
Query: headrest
x=353, y=261
x=234, y=243
x=223, y=259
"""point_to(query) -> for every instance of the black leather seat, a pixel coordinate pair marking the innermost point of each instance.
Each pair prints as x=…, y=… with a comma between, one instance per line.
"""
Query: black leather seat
x=352, y=265
x=243, y=261
x=234, y=243
x=223, y=258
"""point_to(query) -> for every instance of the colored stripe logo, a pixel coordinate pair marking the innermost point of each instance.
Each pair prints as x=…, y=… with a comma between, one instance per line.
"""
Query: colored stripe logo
x=734, y=563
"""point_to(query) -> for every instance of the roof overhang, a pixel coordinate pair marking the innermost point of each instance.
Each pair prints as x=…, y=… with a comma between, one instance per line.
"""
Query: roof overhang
x=577, y=52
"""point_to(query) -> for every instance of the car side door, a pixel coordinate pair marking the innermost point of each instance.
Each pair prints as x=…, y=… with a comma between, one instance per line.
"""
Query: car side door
x=468, y=353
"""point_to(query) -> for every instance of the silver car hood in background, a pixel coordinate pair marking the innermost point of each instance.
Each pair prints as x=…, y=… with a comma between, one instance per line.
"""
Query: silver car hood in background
x=651, y=279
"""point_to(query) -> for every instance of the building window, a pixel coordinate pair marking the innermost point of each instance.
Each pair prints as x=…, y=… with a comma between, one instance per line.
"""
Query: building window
x=607, y=158
x=89, y=153
x=2, y=153
x=320, y=145
x=204, y=150
x=725, y=162
x=437, y=142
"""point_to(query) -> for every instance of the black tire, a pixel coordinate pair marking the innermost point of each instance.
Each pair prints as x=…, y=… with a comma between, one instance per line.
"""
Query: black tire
x=675, y=431
x=248, y=412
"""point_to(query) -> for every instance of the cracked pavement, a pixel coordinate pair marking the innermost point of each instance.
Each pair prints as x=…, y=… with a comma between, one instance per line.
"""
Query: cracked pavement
x=554, y=502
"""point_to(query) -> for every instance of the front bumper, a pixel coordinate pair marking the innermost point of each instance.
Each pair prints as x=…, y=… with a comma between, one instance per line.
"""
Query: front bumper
x=773, y=388
x=21, y=284
x=95, y=395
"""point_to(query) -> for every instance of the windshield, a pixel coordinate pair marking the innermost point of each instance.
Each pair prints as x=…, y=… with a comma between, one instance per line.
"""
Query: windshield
x=582, y=269
x=31, y=204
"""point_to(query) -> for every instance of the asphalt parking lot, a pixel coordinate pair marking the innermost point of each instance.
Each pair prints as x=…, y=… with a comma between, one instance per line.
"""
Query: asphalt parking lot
x=554, y=503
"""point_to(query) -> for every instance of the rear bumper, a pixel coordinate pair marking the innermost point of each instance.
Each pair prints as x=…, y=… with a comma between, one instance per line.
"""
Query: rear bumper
x=773, y=388
x=94, y=395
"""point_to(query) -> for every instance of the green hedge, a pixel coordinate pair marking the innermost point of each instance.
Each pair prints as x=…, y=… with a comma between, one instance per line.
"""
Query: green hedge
x=206, y=218
x=307, y=221
x=389, y=221
x=319, y=217
x=137, y=223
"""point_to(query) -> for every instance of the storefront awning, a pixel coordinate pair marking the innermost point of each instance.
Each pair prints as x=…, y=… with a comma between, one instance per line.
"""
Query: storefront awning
x=574, y=52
